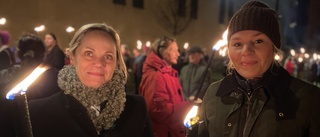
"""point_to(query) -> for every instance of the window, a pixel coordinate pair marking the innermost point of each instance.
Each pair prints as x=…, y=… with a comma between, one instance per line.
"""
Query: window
x=194, y=9
x=122, y=2
x=137, y=3
x=182, y=8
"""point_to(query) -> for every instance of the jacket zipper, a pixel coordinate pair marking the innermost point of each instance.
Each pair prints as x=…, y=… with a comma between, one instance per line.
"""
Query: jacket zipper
x=248, y=104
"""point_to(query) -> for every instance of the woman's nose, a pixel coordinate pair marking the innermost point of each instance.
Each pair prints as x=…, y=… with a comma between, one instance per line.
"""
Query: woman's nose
x=100, y=62
x=248, y=49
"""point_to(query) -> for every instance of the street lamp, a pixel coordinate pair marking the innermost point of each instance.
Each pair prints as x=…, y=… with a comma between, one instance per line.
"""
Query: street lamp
x=3, y=21
x=69, y=30
x=39, y=28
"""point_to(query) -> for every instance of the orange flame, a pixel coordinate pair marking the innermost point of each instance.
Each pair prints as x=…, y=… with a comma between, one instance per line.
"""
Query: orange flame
x=191, y=118
x=222, y=42
x=24, y=84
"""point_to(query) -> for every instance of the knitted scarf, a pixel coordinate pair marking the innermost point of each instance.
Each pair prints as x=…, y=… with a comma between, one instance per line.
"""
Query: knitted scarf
x=111, y=93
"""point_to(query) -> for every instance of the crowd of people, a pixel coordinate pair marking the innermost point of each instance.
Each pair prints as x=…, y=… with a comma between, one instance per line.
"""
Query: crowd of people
x=86, y=92
x=307, y=69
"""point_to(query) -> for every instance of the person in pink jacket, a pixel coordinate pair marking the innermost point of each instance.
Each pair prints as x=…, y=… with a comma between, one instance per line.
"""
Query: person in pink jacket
x=161, y=88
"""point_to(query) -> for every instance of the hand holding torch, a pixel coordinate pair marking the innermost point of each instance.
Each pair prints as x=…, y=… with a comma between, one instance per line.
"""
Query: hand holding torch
x=19, y=104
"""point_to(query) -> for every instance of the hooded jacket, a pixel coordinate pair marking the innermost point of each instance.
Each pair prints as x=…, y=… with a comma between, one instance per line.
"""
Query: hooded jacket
x=282, y=106
x=163, y=93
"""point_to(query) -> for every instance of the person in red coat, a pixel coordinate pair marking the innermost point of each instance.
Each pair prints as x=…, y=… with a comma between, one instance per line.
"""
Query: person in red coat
x=290, y=66
x=161, y=88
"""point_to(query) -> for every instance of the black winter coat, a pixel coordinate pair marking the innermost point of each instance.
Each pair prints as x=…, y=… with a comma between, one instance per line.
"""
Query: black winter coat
x=55, y=58
x=62, y=115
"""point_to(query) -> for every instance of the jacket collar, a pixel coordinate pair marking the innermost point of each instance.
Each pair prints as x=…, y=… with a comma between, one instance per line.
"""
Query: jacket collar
x=78, y=114
x=276, y=82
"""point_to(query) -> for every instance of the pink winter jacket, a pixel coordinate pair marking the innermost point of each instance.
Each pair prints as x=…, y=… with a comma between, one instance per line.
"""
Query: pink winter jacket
x=163, y=93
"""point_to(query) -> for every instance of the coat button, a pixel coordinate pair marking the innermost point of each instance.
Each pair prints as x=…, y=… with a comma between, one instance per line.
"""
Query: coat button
x=229, y=124
x=281, y=114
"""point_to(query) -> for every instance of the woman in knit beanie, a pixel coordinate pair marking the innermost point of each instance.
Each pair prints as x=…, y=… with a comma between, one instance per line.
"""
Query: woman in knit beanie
x=259, y=98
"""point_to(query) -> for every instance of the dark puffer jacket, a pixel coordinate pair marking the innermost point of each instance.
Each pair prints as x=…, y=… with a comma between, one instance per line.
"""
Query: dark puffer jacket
x=283, y=106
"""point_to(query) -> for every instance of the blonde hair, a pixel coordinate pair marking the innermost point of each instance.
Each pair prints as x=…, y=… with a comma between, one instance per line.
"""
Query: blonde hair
x=78, y=36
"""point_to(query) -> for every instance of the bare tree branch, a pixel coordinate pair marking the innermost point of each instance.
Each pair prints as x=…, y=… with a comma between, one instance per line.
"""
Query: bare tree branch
x=167, y=15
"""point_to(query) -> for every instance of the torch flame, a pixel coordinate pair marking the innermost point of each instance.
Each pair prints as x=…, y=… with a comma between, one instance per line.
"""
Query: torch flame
x=222, y=42
x=219, y=44
x=191, y=118
x=139, y=44
x=22, y=87
x=186, y=45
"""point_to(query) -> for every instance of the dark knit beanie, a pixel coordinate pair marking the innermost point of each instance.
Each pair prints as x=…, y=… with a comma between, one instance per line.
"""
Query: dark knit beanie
x=255, y=15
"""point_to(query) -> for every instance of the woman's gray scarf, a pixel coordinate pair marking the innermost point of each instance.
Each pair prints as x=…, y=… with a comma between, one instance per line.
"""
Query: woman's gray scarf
x=111, y=93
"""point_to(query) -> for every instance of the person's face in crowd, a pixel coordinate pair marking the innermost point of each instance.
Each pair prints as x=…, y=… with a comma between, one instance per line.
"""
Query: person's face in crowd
x=195, y=57
x=49, y=41
x=171, y=54
x=66, y=51
x=136, y=52
x=123, y=50
x=251, y=53
x=95, y=59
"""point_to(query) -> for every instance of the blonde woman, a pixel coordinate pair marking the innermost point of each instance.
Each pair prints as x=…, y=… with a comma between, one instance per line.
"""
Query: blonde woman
x=92, y=101
x=259, y=98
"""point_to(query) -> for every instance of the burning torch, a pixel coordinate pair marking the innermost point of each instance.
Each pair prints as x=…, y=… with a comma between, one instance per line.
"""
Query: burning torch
x=19, y=104
x=192, y=117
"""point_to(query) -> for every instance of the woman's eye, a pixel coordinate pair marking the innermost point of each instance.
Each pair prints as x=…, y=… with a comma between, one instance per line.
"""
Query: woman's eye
x=108, y=57
x=258, y=41
x=237, y=44
x=88, y=53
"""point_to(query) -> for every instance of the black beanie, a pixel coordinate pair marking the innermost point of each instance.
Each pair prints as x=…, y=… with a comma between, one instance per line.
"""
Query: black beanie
x=255, y=15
